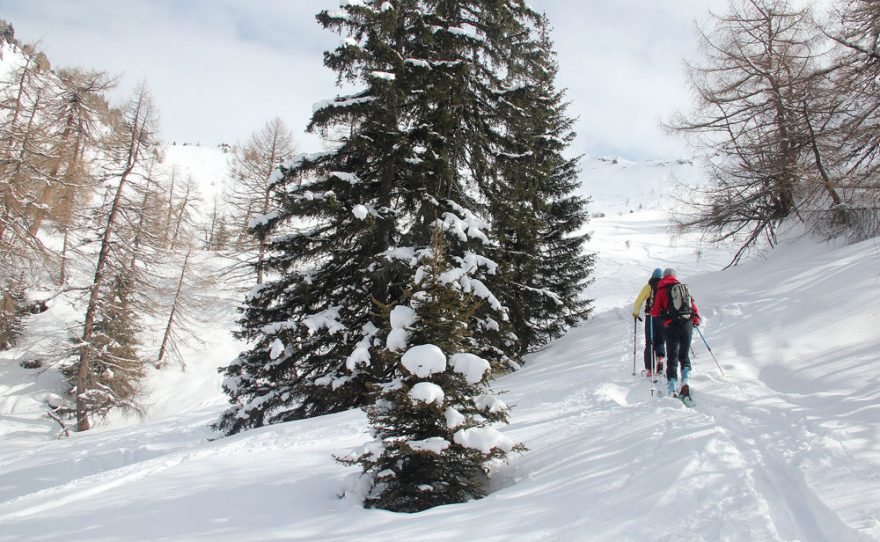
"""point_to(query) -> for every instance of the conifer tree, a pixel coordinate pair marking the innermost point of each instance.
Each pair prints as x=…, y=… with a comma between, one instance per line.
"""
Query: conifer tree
x=432, y=419
x=536, y=212
x=115, y=369
x=416, y=143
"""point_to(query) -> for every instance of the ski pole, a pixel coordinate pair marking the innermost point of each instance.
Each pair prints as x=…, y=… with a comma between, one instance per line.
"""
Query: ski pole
x=635, y=327
x=709, y=349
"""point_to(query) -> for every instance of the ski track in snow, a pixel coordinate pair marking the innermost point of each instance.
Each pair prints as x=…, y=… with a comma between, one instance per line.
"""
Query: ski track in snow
x=785, y=447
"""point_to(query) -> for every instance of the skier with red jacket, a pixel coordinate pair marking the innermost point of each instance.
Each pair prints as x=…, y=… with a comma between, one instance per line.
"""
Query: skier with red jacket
x=678, y=312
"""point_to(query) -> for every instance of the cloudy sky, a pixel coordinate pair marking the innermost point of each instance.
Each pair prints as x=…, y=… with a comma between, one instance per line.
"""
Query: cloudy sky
x=219, y=69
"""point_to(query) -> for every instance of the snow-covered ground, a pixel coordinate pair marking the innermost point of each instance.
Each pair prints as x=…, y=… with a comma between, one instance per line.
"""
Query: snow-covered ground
x=784, y=446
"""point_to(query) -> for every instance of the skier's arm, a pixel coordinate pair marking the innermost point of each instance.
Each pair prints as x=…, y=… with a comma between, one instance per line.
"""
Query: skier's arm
x=643, y=295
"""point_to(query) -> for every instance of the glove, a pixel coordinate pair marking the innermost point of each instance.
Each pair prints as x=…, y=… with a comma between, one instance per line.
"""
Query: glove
x=667, y=323
x=696, y=321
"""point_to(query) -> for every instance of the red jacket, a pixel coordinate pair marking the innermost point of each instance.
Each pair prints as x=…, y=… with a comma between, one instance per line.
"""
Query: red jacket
x=661, y=301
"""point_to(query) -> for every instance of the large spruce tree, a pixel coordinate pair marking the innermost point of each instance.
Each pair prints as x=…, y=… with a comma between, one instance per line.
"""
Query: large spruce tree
x=416, y=145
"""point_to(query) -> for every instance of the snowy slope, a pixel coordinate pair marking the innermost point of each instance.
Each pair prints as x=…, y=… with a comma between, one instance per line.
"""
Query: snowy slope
x=208, y=167
x=786, y=446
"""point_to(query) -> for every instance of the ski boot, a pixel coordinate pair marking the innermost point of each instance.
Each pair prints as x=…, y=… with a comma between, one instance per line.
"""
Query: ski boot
x=671, y=386
x=685, y=392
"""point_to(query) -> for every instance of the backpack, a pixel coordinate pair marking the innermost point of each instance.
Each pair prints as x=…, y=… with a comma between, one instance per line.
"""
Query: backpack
x=680, y=300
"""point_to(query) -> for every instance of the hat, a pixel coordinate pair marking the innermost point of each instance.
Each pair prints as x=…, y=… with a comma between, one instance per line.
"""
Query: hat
x=669, y=272
x=657, y=273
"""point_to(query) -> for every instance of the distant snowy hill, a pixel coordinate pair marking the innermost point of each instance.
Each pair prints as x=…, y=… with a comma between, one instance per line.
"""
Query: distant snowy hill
x=208, y=167
x=785, y=446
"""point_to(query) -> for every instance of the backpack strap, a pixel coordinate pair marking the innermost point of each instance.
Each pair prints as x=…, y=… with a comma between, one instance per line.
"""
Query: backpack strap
x=664, y=314
x=650, y=301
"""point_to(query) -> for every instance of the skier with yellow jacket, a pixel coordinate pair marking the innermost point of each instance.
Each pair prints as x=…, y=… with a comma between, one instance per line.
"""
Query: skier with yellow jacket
x=654, y=336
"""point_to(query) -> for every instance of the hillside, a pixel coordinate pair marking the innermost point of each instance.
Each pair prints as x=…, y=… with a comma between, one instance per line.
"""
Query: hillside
x=785, y=446
x=24, y=392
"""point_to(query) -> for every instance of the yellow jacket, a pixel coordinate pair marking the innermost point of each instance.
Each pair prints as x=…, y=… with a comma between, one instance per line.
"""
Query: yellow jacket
x=643, y=296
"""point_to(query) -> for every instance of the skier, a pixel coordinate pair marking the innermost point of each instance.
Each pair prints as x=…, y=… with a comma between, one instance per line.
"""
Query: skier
x=654, y=341
x=678, y=312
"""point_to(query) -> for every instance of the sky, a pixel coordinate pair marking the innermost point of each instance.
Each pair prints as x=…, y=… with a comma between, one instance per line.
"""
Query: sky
x=220, y=69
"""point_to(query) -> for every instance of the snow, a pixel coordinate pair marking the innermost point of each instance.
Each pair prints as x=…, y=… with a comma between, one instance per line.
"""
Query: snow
x=350, y=178
x=406, y=254
x=208, y=168
x=385, y=76
x=483, y=439
x=398, y=339
x=418, y=63
x=360, y=211
x=786, y=446
x=465, y=224
x=341, y=102
x=454, y=418
x=262, y=220
x=277, y=349
x=427, y=392
x=402, y=317
x=491, y=403
x=471, y=366
x=361, y=354
x=328, y=319
x=424, y=360
x=434, y=445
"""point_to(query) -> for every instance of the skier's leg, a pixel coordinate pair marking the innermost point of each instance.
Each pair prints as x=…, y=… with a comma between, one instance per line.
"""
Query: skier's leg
x=659, y=337
x=672, y=346
x=659, y=343
x=687, y=332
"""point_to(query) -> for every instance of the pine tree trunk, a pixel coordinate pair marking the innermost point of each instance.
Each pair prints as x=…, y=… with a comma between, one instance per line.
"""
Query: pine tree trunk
x=177, y=295
x=63, y=271
x=179, y=221
x=138, y=234
x=170, y=214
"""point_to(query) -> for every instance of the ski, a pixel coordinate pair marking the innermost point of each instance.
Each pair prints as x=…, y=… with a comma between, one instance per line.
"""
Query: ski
x=686, y=396
x=686, y=400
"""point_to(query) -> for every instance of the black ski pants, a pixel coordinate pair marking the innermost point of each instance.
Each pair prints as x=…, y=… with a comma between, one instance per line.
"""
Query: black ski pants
x=678, y=344
x=654, y=333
